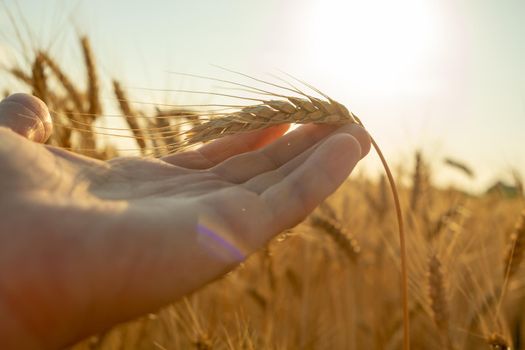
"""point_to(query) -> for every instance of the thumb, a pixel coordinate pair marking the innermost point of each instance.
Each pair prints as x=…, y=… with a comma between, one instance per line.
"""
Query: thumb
x=27, y=116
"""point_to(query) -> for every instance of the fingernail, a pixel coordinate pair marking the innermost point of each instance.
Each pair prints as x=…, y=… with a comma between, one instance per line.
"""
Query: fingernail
x=26, y=115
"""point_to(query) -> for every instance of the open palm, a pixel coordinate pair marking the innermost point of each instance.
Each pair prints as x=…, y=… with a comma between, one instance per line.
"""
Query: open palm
x=85, y=244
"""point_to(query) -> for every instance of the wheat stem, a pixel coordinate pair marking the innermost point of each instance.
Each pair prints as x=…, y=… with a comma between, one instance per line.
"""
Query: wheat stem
x=402, y=246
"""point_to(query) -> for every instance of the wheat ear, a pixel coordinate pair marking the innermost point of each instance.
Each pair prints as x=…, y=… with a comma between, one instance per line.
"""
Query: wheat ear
x=402, y=244
x=129, y=115
x=341, y=237
x=64, y=80
x=20, y=75
x=438, y=299
x=268, y=113
x=436, y=293
x=39, y=79
x=94, y=107
x=417, y=181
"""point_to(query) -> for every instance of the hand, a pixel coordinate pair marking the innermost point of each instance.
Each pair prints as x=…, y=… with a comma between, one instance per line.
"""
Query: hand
x=85, y=244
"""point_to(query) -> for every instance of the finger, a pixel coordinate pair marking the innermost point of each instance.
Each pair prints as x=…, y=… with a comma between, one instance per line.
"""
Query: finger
x=219, y=150
x=262, y=182
x=293, y=198
x=26, y=115
x=296, y=142
x=245, y=167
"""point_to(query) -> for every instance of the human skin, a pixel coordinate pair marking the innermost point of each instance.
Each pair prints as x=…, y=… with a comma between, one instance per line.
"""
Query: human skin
x=86, y=244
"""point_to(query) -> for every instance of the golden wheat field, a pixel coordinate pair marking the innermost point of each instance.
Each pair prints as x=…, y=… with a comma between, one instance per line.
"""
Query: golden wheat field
x=335, y=281
x=332, y=282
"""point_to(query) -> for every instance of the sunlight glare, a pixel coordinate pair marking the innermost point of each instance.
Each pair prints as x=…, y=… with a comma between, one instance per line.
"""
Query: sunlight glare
x=380, y=45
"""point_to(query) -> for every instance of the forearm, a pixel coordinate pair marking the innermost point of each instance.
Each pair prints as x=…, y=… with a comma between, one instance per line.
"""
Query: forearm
x=44, y=264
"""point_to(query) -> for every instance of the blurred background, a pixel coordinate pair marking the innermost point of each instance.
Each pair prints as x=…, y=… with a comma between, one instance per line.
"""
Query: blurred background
x=445, y=77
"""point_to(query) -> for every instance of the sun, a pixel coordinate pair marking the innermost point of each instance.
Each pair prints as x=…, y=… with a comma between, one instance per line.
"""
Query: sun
x=380, y=44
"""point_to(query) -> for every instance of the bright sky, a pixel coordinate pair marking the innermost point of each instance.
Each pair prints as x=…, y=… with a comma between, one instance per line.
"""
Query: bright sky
x=446, y=76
